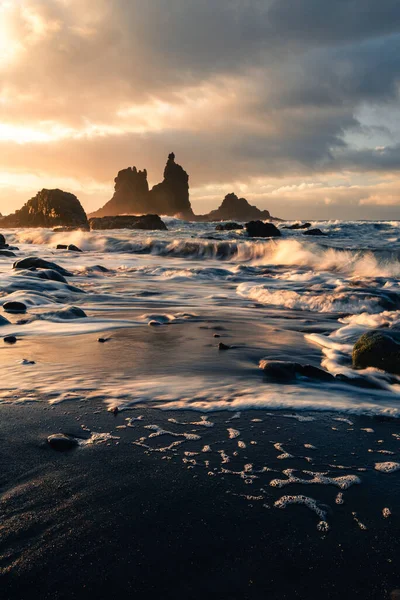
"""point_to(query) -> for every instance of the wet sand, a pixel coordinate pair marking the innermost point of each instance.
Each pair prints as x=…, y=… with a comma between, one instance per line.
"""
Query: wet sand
x=114, y=517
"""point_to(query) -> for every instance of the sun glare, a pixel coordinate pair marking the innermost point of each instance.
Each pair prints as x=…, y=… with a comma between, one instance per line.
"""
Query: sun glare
x=8, y=45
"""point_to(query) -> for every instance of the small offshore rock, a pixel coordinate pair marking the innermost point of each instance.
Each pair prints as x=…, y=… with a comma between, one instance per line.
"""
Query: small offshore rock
x=314, y=232
x=217, y=335
x=61, y=442
x=228, y=226
x=7, y=253
x=297, y=226
x=222, y=346
x=149, y=222
x=14, y=307
x=73, y=248
x=61, y=246
x=9, y=339
x=3, y=243
x=261, y=229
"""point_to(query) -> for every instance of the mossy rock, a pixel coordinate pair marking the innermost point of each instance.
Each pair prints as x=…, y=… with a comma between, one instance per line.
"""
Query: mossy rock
x=377, y=349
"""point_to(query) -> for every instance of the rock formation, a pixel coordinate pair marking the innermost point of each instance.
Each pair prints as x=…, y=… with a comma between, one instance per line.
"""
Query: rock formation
x=235, y=209
x=378, y=349
x=171, y=196
x=261, y=229
x=48, y=209
x=132, y=195
x=128, y=222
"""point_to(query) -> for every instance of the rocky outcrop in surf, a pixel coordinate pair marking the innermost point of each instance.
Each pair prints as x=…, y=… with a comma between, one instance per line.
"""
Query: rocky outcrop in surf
x=133, y=197
x=49, y=208
x=149, y=222
x=235, y=209
x=377, y=349
x=261, y=229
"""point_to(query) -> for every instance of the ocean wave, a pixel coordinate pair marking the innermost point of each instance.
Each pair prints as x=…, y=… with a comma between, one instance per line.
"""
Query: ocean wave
x=292, y=251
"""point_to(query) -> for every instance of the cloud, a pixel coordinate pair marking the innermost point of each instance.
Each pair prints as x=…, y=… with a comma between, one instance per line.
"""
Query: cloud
x=241, y=90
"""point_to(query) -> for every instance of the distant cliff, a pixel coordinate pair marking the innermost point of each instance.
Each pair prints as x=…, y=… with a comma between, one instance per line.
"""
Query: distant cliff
x=49, y=208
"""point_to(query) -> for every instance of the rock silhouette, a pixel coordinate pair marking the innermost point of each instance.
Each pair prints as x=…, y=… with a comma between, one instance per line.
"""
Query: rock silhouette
x=128, y=222
x=261, y=229
x=235, y=209
x=133, y=197
x=49, y=208
x=171, y=196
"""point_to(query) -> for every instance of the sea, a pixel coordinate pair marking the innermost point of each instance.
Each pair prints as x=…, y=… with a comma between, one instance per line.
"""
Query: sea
x=293, y=298
x=144, y=450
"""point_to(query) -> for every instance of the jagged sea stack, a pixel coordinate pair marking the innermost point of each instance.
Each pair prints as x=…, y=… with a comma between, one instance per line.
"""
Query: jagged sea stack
x=131, y=195
x=171, y=196
x=49, y=208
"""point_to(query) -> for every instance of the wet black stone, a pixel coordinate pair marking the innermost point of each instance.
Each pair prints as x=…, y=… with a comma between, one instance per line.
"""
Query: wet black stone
x=314, y=232
x=222, y=346
x=14, y=307
x=9, y=339
x=39, y=263
x=61, y=442
x=261, y=229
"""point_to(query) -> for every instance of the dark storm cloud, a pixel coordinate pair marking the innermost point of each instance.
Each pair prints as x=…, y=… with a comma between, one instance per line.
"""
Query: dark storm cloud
x=294, y=74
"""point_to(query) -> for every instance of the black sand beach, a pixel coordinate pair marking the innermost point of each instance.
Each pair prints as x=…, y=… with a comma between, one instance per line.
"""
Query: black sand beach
x=113, y=518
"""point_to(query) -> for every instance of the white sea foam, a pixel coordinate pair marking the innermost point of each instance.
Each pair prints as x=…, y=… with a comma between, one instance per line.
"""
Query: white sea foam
x=387, y=467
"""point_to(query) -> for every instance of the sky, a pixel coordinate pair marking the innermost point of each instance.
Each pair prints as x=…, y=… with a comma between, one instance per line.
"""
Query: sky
x=293, y=104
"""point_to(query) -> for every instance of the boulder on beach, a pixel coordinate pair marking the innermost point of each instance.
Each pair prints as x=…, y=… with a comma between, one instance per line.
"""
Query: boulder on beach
x=378, y=349
x=61, y=442
x=47, y=209
x=7, y=253
x=67, y=313
x=14, y=307
x=261, y=229
x=34, y=262
x=314, y=232
x=148, y=222
x=49, y=274
x=228, y=226
x=282, y=370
